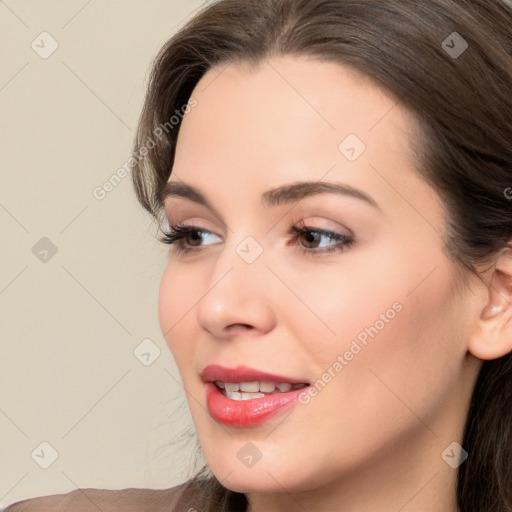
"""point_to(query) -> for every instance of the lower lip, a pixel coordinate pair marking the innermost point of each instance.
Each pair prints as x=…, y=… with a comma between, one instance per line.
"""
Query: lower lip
x=247, y=413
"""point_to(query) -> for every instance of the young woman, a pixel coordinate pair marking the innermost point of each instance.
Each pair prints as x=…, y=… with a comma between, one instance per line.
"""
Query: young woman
x=335, y=180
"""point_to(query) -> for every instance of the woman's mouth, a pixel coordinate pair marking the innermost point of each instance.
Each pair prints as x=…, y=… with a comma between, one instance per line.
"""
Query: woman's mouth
x=247, y=404
x=243, y=397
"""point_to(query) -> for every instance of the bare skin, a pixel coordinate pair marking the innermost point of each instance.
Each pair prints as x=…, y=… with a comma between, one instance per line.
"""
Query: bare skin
x=371, y=440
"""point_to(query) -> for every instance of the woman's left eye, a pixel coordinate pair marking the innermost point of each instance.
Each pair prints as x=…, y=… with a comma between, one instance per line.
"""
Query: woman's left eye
x=180, y=236
x=314, y=235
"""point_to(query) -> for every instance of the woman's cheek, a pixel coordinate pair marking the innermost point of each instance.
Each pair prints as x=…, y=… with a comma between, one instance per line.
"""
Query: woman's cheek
x=175, y=299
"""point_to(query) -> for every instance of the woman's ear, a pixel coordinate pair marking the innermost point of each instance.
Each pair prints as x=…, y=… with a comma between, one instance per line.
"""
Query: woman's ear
x=492, y=336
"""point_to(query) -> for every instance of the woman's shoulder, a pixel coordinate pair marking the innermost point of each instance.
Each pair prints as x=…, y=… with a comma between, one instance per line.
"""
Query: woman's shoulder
x=107, y=500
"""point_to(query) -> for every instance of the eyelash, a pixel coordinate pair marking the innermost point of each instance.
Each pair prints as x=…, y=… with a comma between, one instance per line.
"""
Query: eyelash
x=178, y=233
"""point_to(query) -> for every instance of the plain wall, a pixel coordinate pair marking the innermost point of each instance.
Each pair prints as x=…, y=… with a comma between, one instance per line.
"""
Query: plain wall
x=69, y=324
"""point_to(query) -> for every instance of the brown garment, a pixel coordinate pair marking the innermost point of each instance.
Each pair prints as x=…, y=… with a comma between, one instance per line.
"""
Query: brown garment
x=182, y=498
x=102, y=500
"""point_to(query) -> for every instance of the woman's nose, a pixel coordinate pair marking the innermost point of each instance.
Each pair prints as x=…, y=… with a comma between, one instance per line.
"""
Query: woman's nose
x=238, y=297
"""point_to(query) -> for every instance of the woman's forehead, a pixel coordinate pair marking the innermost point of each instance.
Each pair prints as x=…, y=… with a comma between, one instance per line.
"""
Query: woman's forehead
x=291, y=108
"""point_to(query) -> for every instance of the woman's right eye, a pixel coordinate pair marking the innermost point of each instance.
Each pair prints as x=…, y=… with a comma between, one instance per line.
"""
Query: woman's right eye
x=179, y=234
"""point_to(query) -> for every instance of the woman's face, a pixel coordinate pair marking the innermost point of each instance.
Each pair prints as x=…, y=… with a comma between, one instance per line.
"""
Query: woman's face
x=373, y=322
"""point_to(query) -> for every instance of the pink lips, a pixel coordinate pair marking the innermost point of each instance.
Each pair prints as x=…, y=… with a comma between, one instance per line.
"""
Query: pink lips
x=245, y=413
x=214, y=372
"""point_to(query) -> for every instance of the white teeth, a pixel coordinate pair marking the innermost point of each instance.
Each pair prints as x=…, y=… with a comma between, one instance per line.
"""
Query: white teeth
x=254, y=389
x=250, y=386
x=267, y=387
x=236, y=395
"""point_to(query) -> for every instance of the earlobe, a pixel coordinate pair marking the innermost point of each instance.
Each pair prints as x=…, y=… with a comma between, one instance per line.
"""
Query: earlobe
x=492, y=336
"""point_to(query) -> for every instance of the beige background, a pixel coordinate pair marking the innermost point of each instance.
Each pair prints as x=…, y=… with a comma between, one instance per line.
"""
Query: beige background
x=69, y=325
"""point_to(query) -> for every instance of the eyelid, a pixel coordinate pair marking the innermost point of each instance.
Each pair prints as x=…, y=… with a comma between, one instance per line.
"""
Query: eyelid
x=321, y=223
x=314, y=222
x=185, y=208
x=191, y=223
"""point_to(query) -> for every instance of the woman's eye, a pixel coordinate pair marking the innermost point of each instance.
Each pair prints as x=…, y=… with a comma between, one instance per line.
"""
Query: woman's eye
x=185, y=238
x=309, y=240
x=312, y=238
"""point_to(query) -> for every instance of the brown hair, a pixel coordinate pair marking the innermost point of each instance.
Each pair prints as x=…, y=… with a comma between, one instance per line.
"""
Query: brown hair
x=464, y=105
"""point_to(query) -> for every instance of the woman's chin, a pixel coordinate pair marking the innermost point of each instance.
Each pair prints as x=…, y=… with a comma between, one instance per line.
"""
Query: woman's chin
x=259, y=481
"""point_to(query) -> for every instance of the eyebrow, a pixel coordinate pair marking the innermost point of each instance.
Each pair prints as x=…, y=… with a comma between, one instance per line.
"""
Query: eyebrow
x=278, y=196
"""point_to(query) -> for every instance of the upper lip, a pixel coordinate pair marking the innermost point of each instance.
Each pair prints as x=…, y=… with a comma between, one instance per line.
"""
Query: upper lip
x=213, y=372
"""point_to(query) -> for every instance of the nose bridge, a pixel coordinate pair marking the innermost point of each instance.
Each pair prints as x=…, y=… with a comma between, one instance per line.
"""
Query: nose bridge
x=241, y=268
x=243, y=261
